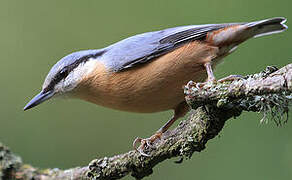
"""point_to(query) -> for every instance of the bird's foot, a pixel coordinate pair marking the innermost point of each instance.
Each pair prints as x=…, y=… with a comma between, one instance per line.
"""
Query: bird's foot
x=230, y=78
x=200, y=85
x=148, y=142
x=214, y=81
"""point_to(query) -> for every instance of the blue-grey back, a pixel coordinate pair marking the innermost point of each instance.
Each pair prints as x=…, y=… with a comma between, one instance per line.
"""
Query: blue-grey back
x=145, y=47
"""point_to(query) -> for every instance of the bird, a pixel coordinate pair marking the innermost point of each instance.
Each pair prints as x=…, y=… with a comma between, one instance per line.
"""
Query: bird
x=145, y=73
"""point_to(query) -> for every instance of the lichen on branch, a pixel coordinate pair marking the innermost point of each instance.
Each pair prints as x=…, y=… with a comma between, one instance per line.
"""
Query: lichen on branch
x=268, y=92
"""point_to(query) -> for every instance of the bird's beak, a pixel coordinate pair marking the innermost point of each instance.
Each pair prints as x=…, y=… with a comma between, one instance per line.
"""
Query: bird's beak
x=38, y=99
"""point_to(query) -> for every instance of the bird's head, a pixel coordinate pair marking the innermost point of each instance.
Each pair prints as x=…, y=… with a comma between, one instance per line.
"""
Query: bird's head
x=66, y=75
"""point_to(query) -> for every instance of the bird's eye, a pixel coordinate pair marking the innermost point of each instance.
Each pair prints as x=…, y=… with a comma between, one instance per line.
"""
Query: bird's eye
x=64, y=73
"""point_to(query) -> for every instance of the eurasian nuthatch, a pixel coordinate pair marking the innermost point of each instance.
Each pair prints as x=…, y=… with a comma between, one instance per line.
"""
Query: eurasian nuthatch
x=145, y=73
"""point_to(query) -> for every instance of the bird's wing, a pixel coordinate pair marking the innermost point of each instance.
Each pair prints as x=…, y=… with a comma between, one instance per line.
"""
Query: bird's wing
x=146, y=47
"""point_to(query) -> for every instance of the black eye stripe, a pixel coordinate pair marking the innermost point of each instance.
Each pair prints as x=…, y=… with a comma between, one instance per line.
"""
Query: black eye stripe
x=63, y=73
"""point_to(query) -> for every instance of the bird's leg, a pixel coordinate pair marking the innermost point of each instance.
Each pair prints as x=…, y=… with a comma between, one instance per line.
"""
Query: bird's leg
x=211, y=77
x=179, y=112
x=210, y=73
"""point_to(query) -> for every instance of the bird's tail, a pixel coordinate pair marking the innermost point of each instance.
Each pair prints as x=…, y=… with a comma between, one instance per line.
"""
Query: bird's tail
x=267, y=26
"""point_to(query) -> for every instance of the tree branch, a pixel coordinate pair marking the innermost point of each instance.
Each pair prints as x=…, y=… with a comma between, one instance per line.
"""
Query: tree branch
x=269, y=92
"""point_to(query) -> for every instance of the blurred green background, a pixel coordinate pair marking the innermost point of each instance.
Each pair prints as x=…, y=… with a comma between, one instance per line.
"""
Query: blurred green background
x=66, y=133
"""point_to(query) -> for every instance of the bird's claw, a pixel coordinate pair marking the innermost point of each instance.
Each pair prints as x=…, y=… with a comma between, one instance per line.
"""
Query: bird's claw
x=200, y=85
x=148, y=142
x=230, y=78
x=138, y=149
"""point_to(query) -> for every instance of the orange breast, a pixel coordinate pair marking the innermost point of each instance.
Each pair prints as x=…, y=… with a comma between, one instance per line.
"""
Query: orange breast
x=151, y=87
